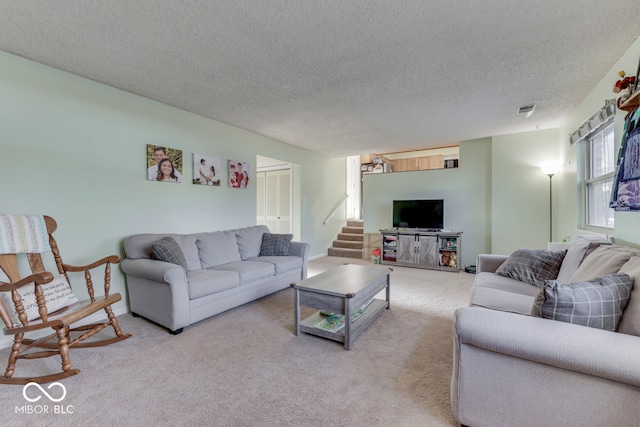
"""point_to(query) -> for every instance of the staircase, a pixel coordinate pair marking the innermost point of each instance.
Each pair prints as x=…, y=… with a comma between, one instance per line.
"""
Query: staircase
x=350, y=242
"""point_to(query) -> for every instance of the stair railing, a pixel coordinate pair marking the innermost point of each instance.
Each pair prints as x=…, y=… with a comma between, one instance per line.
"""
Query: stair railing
x=345, y=197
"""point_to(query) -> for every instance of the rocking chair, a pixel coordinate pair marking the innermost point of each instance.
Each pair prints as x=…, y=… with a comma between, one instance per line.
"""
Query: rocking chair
x=38, y=302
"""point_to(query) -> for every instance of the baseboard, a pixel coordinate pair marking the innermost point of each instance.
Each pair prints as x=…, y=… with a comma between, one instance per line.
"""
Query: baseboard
x=312, y=258
x=6, y=341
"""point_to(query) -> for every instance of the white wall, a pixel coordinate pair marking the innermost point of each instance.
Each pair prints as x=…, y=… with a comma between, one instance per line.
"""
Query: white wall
x=75, y=150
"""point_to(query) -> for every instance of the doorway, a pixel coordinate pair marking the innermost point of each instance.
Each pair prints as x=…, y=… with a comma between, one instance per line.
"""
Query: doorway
x=274, y=194
x=354, y=188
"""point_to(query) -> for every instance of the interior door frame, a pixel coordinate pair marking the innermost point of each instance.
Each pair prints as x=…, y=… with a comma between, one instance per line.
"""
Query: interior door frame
x=288, y=167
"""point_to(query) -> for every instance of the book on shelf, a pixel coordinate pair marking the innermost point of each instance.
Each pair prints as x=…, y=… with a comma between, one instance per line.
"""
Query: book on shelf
x=334, y=322
x=331, y=323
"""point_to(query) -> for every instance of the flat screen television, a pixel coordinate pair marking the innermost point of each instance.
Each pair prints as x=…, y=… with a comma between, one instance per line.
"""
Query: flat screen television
x=423, y=214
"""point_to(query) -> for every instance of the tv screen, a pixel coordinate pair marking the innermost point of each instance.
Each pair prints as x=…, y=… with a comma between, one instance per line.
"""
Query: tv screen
x=427, y=214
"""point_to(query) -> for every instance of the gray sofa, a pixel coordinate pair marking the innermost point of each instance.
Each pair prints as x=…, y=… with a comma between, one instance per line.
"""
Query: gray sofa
x=221, y=270
x=511, y=368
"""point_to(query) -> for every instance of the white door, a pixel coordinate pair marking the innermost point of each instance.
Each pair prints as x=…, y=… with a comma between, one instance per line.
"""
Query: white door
x=260, y=199
x=274, y=200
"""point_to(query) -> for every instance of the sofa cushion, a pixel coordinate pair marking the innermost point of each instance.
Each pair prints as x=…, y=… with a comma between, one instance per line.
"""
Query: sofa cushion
x=190, y=251
x=503, y=293
x=206, y=282
x=275, y=244
x=532, y=266
x=249, y=271
x=602, y=261
x=249, y=240
x=168, y=250
x=630, y=323
x=577, y=249
x=282, y=264
x=217, y=248
x=597, y=304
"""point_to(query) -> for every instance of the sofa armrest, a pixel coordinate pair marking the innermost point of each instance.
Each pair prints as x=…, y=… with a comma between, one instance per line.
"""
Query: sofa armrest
x=489, y=262
x=590, y=351
x=158, y=291
x=157, y=271
x=302, y=250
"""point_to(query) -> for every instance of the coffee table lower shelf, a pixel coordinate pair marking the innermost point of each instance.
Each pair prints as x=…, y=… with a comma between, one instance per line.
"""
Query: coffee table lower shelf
x=374, y=310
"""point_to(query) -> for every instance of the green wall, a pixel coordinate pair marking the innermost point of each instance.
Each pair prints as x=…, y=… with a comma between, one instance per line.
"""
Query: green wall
x=466, y=191
x=520, y=200
x=498, y=197
x=75, y=149
x=627, y=224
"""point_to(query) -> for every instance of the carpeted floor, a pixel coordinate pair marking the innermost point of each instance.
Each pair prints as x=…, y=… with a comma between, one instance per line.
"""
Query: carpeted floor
x=246, y=368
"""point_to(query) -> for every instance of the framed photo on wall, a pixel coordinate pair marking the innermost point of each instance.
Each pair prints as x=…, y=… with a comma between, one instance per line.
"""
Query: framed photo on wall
x=206, y=170
x=164, y=164
x=238, y=174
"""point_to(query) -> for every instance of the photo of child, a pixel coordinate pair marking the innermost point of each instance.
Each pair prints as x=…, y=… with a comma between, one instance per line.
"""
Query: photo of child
x=238, y=174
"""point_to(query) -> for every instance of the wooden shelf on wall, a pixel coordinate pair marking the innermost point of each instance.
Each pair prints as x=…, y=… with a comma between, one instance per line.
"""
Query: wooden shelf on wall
x=632, y=103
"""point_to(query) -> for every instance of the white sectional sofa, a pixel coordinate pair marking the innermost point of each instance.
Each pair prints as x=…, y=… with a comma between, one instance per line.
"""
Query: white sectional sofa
x=511, y=368
x=216, y=272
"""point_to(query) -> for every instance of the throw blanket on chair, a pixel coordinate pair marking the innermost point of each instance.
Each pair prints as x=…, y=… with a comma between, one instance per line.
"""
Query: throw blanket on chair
x=23, y=234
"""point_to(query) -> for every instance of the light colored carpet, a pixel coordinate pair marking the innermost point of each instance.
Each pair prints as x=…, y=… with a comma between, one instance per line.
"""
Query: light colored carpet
x=246, y=368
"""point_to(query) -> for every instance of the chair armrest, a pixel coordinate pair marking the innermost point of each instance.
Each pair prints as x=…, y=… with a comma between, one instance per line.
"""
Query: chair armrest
x=489, y=262
x=113, y=259
x=151, y=269
x=611, y=355
x=39, y=278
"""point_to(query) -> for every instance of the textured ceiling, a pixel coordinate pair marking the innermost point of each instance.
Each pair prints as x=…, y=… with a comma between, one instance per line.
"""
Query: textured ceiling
x=338, y=77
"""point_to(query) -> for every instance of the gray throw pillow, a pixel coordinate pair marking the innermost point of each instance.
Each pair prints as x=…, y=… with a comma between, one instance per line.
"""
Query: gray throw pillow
x=598, y=304
x=168, y=250
x=275, y=244
x=532, y=266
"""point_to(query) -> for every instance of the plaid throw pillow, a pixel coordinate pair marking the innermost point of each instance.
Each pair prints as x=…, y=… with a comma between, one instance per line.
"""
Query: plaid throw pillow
x=275, y=244
x=168, y=250
x=597, y=304
x=532, y=266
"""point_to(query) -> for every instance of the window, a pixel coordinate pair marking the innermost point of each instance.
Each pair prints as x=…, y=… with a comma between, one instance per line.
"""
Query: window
x=599, y=169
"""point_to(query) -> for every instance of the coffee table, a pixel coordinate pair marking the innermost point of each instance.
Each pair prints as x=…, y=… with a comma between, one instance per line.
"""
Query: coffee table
x=342, y=290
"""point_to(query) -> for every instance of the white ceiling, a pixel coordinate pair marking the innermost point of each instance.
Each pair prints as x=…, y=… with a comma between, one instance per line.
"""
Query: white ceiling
x=338, y=77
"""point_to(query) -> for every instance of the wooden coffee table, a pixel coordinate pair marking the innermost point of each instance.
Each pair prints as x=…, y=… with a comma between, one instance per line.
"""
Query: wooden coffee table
x=342, y=290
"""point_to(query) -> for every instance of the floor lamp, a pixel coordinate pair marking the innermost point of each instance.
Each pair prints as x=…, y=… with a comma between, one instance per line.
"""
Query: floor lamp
x=550, y=170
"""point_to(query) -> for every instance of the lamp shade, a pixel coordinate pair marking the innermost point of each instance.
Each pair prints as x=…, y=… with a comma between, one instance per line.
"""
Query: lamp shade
x=550, y=168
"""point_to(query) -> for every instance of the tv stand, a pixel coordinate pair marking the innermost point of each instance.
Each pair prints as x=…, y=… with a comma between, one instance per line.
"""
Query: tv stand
x=422, y=248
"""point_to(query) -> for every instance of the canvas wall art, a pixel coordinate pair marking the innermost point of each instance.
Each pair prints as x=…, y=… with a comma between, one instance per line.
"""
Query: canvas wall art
x=164, y=164
x=206, y=170
x=238, y=174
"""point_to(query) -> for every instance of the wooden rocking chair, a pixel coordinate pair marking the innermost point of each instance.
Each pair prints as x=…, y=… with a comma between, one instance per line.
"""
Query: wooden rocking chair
x=18, y=322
